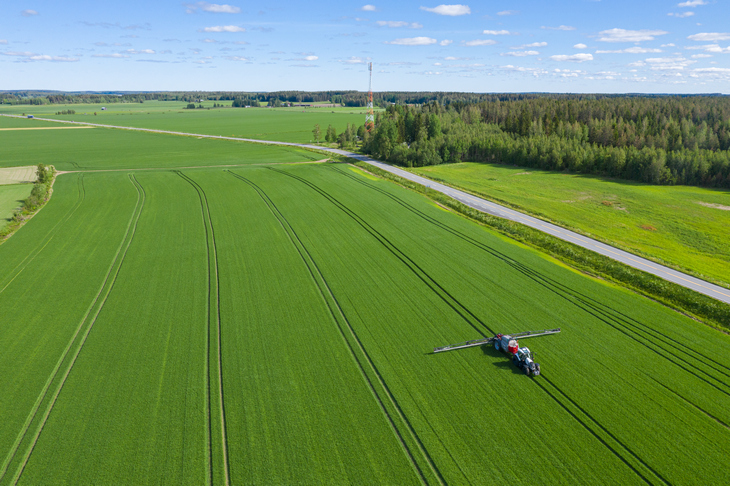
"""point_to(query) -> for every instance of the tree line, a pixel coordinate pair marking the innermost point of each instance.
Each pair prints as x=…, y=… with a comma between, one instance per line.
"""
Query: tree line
x=658, y=140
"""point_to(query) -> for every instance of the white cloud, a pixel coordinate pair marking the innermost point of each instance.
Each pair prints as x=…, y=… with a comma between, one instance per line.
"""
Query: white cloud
x=223, y=28
x=520, y=53
x=519, y=69
x=143, y=51
x=700, y=56
x=632, y=50
x=496, y=32
x=692, y=3
x=713, y=48
x=43, y=57
x=668, y=45
x=580, y=46
x=681, y=15
x=413, y=41
x=710, y=36
x=17, y=53
x=399, y=23
x=211, y=7
x=311, y=58
x=3, y=41
x=112, y=56
x=451, y=10
x=368, y=8
x=28, y=13
x=534, y=44
x=623, y=35
x=446, y=42
x=480, y=42
x=508, y=12
x=668, y=63
x=573, y=58
x=356, y=60
x=562, y=27
x=236, y=58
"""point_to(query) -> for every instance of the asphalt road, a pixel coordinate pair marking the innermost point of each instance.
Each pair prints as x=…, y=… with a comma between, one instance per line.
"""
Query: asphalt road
x=485, y=206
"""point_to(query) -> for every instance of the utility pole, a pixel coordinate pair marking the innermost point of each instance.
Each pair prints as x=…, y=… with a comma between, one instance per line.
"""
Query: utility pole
x=370, y=115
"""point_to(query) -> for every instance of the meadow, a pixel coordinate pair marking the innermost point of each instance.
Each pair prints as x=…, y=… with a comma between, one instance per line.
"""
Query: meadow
x=11, y=197
x=682, y=226
x=293, y=124
x=268, y=321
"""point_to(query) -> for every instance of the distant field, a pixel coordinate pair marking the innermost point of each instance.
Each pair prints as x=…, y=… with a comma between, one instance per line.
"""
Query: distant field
x=11, y=197
x=17, y=175
x=102, y=148
x=280, y=124
x=684, y=226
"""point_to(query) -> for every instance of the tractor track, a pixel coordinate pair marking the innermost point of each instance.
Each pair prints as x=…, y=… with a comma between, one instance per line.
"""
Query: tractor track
x=339, y=316
x=468, y=316
x=626, y=323
x=52, y=233
x=214, y=301
x=108, y=284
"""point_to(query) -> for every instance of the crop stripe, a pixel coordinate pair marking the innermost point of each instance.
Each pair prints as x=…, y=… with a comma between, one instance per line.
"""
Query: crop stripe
x=340, y=318
x=106, y=288
x=214, y=314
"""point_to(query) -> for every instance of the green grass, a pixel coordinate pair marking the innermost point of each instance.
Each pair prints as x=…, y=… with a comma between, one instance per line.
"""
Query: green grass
x=274, y=324
x=110, y=149
x=674, y=225
x=11, y=198
x=280, y=124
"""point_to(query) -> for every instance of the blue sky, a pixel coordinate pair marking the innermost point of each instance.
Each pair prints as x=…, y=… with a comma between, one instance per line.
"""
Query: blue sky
x=570, y=46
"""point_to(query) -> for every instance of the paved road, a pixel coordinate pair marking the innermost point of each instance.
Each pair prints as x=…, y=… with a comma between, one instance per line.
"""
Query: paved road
x=483, y=205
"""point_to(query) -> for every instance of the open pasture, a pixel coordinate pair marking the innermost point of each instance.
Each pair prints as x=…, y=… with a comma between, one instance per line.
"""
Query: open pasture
x=274, y=324
x=683, y=226
x=280, y=124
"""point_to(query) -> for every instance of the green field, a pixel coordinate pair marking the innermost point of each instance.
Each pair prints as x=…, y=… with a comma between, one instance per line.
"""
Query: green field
x=200, y=311
x=685, y=227
x=279, y=124
x=11, y=197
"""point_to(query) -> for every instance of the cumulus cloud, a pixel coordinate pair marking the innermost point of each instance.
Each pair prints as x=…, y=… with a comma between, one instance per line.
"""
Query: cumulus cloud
x=451, y=10
x=710, y=36
x=520, y=53
x=700, y=56
x=681, y=15
x=236, y=58
x=413, y=41
x=668, y=63
x=28, y=13
x=143, y=51
x=692, y=3
x=623, y=35
x=580, y=46
x=519, y=69
x=631, y=50
x=368, y=8
x=112, y=56
x=446, y=42
x=496, y=32
x=356, y=60
x=223, y=28
x=3, y=41
x=43, y=57
x=713, y=48
x=573, y=58
x=508, y=12
x=480, y=42
x=398, y=23
x=562, y=27
x=534, y=44
x=211, y=7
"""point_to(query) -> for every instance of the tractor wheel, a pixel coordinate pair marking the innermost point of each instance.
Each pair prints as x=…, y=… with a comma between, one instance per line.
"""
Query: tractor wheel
x=497, y=346
x=537, y=369
x=527, y=370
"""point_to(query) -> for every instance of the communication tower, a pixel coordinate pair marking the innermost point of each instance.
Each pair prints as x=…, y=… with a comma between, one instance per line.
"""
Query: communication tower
x=370, y=115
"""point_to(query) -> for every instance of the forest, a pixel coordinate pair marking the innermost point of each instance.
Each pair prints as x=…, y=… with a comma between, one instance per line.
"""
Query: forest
x=656, y=139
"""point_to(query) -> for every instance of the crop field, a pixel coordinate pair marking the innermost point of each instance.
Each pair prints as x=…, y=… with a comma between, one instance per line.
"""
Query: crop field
x=279, y=124
x=686, y=227
x=275, y=323
x=11, y=197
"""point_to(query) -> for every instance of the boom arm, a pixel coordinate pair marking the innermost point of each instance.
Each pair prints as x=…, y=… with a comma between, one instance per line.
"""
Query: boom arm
x=479, y=342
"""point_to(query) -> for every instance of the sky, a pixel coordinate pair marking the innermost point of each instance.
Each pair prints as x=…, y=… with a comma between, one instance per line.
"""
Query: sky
x=575, y=46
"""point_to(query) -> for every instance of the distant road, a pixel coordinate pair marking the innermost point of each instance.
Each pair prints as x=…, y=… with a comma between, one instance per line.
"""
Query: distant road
x=485, y=206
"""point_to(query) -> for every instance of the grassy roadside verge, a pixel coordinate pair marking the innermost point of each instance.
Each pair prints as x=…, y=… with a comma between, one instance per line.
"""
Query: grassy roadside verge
x=38, y=198
x=702, y=307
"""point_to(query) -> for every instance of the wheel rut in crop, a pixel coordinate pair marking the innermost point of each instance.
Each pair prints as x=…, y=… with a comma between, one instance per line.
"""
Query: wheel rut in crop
x=68, y=357
x=691, y=361
x=218, y=459
x=12, y=275
x=467, y=315
x=401, y=426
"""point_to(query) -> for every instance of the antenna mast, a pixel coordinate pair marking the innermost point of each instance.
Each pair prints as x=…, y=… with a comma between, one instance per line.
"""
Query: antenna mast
x=370, y=115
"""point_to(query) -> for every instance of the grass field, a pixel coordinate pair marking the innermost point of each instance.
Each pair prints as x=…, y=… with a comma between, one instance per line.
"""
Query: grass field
x=18, y=175
x=280, y=124
x=686, y=227
x=274, y=324
x=11, y=198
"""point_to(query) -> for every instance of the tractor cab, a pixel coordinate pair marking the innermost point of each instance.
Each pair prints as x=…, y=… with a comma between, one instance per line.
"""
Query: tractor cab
x=524, y=355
